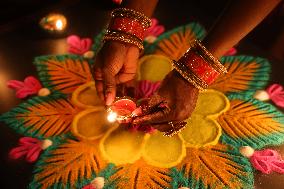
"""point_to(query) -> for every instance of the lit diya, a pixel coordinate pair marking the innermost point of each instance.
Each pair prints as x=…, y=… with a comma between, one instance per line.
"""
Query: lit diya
x=123, y=110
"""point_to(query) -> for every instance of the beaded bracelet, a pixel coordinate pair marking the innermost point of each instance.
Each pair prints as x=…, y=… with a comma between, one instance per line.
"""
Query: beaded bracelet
x=127, y=26
x=198, y=66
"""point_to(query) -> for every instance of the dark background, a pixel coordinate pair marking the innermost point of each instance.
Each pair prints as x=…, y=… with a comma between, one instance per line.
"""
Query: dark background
x=21, y=40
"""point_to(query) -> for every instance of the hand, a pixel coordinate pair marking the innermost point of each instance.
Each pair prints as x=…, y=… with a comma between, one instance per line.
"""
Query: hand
x=174, y=101
x=116, y=63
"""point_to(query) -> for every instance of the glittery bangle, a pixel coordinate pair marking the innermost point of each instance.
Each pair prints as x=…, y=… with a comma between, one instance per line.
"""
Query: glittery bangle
x=190, y=76
x=129, y=13
x=123, y=37
x=128, y=25
x=201, y=50
x=198, y=66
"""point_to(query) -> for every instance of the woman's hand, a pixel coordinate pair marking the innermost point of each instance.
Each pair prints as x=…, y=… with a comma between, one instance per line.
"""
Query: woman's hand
x=174, y=101
x=116, y=63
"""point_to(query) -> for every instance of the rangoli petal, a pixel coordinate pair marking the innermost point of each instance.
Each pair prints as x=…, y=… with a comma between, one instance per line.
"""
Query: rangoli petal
x=91, y=123
x=211, y=102
x=42, y=116
x=63, y=73
x=68, y=164
x=250, y=122
x=219, y=166
x=201, y=131
x=86, y=96
x=245, y=74
x=141, y=175
x=162, y=151
x=154, y=67
x=121, y=146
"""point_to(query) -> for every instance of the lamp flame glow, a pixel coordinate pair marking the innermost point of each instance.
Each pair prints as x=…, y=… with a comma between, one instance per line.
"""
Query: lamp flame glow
x=112, y=116
x=54, y=22
x=59, y=24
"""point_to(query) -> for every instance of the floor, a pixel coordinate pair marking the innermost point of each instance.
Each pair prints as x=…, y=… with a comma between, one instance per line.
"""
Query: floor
x=21, y=40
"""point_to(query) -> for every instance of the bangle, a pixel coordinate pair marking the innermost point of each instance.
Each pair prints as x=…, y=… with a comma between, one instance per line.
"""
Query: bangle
x=205, y=54
x=127, y=26
x=129, y=13
x=198, y=66
x=189, y=76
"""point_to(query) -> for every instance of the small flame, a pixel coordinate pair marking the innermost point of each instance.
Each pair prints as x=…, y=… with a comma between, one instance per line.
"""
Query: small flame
x=59, y=24
x=112, y=116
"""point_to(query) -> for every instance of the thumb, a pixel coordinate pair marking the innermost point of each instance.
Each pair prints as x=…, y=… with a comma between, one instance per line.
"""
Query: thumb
x=109, y=86
x=113, y=56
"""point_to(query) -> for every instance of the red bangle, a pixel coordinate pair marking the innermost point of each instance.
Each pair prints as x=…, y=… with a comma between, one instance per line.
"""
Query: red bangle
x=128, y=25
x=199, y=67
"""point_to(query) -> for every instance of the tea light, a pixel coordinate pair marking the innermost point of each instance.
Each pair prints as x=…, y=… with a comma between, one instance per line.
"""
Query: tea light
x=54, y=22
x=121, y=110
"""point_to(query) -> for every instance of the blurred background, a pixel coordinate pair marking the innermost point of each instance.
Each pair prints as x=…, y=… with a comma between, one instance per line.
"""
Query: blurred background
x=21, y=39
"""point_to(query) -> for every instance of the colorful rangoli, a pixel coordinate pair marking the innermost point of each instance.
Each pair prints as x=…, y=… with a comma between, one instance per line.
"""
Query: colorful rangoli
x=74, y=146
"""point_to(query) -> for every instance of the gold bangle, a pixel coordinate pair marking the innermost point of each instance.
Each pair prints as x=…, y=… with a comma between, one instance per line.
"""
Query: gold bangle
x=124, y=12
x=123, y=37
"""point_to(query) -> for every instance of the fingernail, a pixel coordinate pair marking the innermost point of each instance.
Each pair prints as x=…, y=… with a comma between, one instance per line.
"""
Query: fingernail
x=109, y=98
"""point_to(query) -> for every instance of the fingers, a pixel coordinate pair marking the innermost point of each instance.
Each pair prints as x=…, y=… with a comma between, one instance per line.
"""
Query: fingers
x=105, y=82
x=116, y=61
